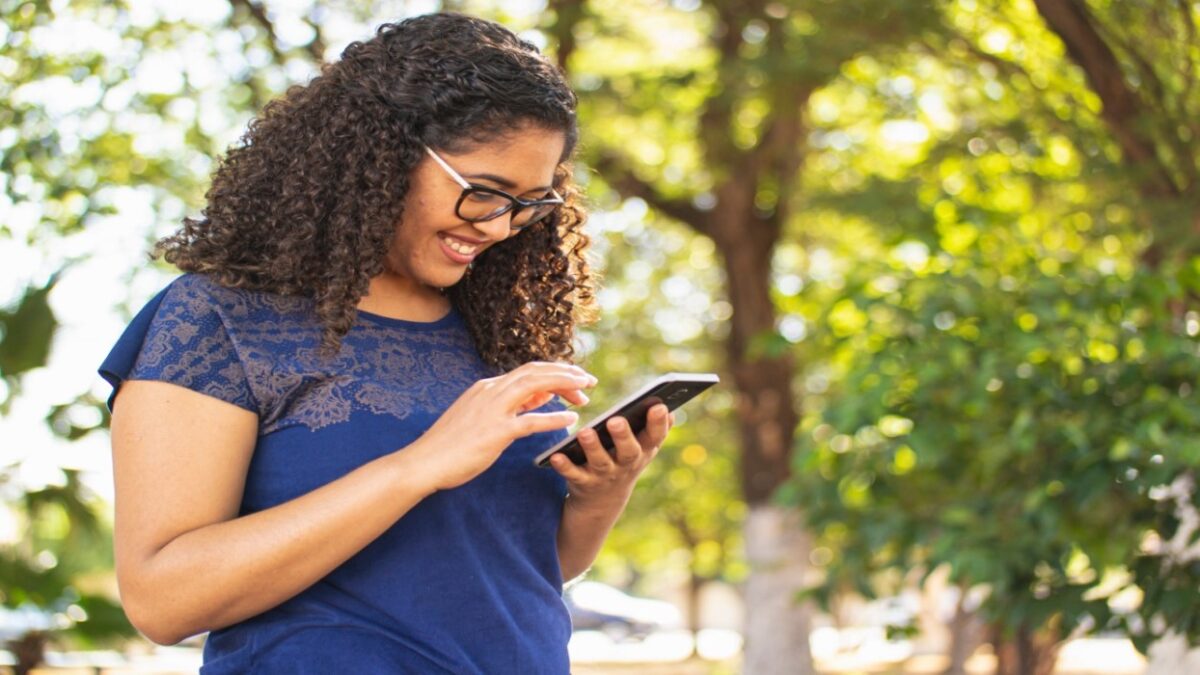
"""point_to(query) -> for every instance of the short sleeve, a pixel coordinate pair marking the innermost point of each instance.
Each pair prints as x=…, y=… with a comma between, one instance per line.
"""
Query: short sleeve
x=179, y=337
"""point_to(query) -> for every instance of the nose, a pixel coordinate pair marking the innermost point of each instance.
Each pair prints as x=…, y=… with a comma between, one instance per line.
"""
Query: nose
x=497, y=229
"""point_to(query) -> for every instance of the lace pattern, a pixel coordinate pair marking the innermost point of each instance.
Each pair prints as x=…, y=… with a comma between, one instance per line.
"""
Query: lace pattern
x=261, y=352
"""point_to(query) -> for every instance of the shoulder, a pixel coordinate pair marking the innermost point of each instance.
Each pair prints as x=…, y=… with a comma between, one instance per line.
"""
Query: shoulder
x=203, y=288
x=183, y=337
x=200, y=295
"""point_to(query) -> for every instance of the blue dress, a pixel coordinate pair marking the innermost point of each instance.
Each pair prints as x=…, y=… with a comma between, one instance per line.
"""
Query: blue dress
x=468, y=581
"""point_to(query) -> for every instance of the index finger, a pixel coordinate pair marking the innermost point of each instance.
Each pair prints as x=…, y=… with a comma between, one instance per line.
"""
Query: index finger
x=534, y=367
x=533, y=386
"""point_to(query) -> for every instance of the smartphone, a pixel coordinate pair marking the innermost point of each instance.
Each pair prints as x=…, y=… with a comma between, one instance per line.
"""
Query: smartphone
x=673, y=389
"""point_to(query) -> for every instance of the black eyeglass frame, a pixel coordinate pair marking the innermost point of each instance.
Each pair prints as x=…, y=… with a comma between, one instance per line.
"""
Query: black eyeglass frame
x=515, y=204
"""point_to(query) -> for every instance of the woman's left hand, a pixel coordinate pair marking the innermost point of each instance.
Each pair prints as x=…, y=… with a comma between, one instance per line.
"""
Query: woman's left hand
x=606, y=481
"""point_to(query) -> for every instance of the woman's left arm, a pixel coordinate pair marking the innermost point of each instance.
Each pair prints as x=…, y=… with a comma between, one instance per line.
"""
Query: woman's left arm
x=599, y=490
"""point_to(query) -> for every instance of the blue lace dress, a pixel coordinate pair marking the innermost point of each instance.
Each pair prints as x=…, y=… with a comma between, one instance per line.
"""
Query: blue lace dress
x=466, y=582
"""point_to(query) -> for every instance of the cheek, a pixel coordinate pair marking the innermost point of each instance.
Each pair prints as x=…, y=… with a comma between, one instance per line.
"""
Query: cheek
x=411, y=242
x=403, y=245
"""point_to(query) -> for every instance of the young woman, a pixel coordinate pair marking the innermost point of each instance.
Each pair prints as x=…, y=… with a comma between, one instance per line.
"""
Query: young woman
x=323, y=431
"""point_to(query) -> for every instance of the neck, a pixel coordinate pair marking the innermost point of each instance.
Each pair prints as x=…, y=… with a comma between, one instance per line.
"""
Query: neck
x=397, y=297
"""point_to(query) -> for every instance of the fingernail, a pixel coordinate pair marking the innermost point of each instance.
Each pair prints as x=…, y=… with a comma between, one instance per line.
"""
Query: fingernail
x=584, y=397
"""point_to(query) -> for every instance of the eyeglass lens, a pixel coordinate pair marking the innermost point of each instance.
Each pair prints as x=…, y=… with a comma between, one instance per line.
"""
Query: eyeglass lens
x=478, y=205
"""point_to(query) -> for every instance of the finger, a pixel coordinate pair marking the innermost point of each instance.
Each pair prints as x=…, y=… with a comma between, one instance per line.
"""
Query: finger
x=575, y=397
x=519, y=390
x=658, y=424
x=536, y=401
x=532, y=423
x=542, y=398
x=519, y=395
x=626, y=445
x=567, y=469
x=545, y=367
x=598, y=458
x=572, y=396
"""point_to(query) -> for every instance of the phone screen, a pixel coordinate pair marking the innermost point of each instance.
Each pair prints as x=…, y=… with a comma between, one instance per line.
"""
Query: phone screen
x=672, y=393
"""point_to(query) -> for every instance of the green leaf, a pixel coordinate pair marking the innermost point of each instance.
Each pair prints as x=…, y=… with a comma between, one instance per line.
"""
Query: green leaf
x=27, y=332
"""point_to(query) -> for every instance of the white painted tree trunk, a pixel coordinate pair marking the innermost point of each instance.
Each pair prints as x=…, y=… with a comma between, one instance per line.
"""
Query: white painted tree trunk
x=777, y=627
x=1171, y=654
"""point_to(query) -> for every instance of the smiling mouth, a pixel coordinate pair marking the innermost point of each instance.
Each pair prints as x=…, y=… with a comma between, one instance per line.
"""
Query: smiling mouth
x=457, y=250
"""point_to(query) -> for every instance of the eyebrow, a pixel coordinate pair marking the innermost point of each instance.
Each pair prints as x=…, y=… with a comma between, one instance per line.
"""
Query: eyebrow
x=503, y=182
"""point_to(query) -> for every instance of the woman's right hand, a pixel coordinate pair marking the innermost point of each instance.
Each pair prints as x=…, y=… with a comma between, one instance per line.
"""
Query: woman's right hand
x=491, y=414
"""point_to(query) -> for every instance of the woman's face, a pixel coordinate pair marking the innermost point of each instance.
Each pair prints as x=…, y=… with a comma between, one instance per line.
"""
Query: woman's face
x=432, y=246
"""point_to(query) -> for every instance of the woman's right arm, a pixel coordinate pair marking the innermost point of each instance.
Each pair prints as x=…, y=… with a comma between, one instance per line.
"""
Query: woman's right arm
x=186, y=562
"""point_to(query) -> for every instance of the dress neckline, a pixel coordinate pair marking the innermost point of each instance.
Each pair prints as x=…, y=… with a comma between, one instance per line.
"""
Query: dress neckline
x=446, y=319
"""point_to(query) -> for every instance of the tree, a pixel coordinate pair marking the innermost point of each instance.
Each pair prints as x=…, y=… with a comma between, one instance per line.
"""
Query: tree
x=1012, y=385
x=1021, y=429
x=62, y=544
x=711, y=131
x=660, y=316
x=151, y=137
x=87, y=129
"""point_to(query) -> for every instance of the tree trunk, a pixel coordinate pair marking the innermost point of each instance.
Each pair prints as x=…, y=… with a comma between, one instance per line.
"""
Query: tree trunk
x=777, y=626
x=746, y=234
x=695, y=584
x=964, y=637
x=29, y=651
x=1172, y=655
x=1026, y=652
x=777, y=546
x=1129, y=116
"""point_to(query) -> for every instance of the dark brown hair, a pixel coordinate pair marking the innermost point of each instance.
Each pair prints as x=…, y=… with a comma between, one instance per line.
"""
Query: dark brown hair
x=308, y=202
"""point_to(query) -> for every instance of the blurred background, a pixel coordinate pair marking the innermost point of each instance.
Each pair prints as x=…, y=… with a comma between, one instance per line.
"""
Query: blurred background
x=942, y=252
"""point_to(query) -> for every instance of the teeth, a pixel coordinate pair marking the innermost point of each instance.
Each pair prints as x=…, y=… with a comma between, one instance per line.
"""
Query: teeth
x=459, y=247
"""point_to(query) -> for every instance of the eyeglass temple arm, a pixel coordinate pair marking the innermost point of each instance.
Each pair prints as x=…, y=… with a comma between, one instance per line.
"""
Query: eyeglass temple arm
x=462, y=182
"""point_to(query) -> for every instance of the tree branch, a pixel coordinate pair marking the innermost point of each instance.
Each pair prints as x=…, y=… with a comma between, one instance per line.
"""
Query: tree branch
x=1189, y=27
x=1121, y=109
x=717, y=115
x=679, y=522
x=617, y=173
x=567, y=15
x=315, y=47
x=779, y=152
x=259, y=14
x=1173, y=109
x=1005, y=67
x=1191, y=46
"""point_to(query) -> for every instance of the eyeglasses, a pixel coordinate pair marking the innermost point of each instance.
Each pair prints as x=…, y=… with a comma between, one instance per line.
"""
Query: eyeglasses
x=477, y=203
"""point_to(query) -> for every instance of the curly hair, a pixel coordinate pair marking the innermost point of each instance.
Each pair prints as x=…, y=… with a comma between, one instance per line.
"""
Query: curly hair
x=307, y=203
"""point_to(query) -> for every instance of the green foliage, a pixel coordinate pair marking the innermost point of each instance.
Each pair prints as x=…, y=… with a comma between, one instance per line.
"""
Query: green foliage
x=1000, y=377
x=996, y=376
x=25, y=337
x=108, y=110
x=61, y=546
x=661, y=316
x=1019, y=427
x=993, y=375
